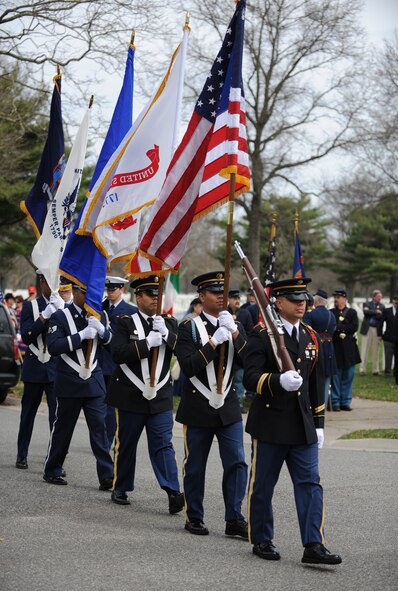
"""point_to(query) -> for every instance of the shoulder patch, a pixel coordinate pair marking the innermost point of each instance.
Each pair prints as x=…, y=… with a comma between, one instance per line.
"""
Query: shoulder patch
x=52, y=329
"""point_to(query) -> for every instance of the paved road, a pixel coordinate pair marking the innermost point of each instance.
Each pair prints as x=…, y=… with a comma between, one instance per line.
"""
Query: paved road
x=74, y=538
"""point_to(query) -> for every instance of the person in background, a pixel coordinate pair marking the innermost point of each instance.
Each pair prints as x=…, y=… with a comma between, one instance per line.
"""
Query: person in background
x=251, y=305
x=390, y=320
x=9, y=301
x=246, y=320
x=114, y=307
x=38, y=368
x=286, y=422
x=345, y=349
x=32, y=291
x=195, y=308
x=370, y=329
x=18, y=307
x=324, y=323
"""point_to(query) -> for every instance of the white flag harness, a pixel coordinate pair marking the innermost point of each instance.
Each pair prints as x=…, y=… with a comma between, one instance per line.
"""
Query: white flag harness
x=83, y=371
x=148, y=391
x=215, y=400
x=41, y=353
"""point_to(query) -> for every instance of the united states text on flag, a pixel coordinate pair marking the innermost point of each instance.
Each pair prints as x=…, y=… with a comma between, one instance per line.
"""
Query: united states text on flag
x=213, y=147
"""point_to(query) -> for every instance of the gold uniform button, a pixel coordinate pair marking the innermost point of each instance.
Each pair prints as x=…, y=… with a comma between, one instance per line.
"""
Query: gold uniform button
x=298, y=393
x=267, y=405
x=299, y=360
x=299, y=371
x=193, y=391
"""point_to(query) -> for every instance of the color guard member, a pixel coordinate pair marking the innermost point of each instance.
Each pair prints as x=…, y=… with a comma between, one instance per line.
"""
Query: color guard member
x=286, y=421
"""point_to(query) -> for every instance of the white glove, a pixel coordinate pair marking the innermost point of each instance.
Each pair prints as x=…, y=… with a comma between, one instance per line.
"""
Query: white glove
x=93, y=322
x=220, y=336
x=154, y=339
x=321, y=437
x=225, y=319
x=160, y=326
x=291, y=380
x=57, y=301
x=48, y=311
x=87, y=333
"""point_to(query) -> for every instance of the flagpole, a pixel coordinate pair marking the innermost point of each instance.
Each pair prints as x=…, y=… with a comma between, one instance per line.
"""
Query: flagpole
x=155, y=350
x=296, y=223
x=184, y=45
x=227, y=272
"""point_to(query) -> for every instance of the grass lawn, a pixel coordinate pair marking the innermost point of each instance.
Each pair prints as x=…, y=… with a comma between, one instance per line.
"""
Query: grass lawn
x=372, y=434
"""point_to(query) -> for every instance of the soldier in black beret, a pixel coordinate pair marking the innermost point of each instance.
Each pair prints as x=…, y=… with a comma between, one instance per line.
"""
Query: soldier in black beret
x=205, y=413
x=286, y=422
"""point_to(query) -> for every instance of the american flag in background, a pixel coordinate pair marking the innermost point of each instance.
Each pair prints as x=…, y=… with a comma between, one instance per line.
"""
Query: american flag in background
x=1, y=296
x=213, y=147
x=270, y=275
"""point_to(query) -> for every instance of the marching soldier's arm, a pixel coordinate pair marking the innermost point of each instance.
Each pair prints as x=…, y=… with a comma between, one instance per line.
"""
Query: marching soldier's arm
x=127, y=347
x=106, y=338
x=258, y=363
x=240, y=340
x=31, y=329
x=58, y=339
x=192, y=357
x=172, y=326
x=317, y=388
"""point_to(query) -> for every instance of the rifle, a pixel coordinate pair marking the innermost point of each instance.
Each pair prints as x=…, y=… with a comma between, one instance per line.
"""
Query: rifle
x=272, y=321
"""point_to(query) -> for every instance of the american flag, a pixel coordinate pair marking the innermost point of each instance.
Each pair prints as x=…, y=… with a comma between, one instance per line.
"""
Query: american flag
x=270, y=275
x=213, y=147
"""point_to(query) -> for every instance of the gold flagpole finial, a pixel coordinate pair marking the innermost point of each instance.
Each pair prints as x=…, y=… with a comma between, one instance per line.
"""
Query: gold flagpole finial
x=58, y=70
x=132, y=38
x=90, y=104
x=296, y=222
x=187, y=19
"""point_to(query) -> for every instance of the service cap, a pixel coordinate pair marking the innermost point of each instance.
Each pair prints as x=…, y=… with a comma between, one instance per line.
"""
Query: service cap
x=213, y=281
x=147, y=284
x=294, y=289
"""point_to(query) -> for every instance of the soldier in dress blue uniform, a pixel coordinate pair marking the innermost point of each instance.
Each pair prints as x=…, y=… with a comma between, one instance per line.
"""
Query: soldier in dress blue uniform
x=137, y=403
x=78, y=387
x=205, y=413
x=38, y=367
x=286, y=421
x=324, y=323
x=114, y=307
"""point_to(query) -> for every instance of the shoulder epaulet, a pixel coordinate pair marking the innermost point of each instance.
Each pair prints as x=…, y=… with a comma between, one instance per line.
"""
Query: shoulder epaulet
x=186, y=321
x=168, y=316
x=125, y=316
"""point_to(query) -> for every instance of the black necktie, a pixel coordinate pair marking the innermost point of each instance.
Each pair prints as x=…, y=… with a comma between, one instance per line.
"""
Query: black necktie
x=111, y=308
x=84, y=314
x=150, y=322
x=294, y=334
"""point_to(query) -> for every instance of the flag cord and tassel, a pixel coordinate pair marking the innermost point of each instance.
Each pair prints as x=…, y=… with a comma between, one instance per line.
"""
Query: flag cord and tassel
x=227, y=273
x=155, y=350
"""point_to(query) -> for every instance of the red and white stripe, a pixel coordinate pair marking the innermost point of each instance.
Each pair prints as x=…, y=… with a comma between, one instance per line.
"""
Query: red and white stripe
x=193, y=183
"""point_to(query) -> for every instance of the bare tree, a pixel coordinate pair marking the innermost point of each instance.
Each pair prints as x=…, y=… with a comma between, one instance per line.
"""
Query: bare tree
x=302, y=87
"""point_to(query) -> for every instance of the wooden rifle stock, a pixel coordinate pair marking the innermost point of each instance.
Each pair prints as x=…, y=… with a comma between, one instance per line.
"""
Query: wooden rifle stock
x=273, y=323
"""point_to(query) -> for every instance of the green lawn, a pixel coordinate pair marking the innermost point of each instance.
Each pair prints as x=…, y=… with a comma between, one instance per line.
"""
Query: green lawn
x=372, y=434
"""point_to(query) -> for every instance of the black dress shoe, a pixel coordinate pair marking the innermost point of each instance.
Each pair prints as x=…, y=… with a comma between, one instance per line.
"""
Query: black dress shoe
x=54, y=479
x=346, y=408
x=238, y=527
x=176, y=502
x=318, y=554
x=266, y=550
x=120, y=498
x=197, y=527
x=336, y=408
x=106, y=484
x=21, y=463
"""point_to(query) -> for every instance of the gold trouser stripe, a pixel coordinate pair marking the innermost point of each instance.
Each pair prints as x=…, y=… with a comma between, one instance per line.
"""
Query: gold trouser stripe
x=117, y=445
x=252, y=479
x=322, y=522
x=319, y=408
x=184, y=430
x=260, y=383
